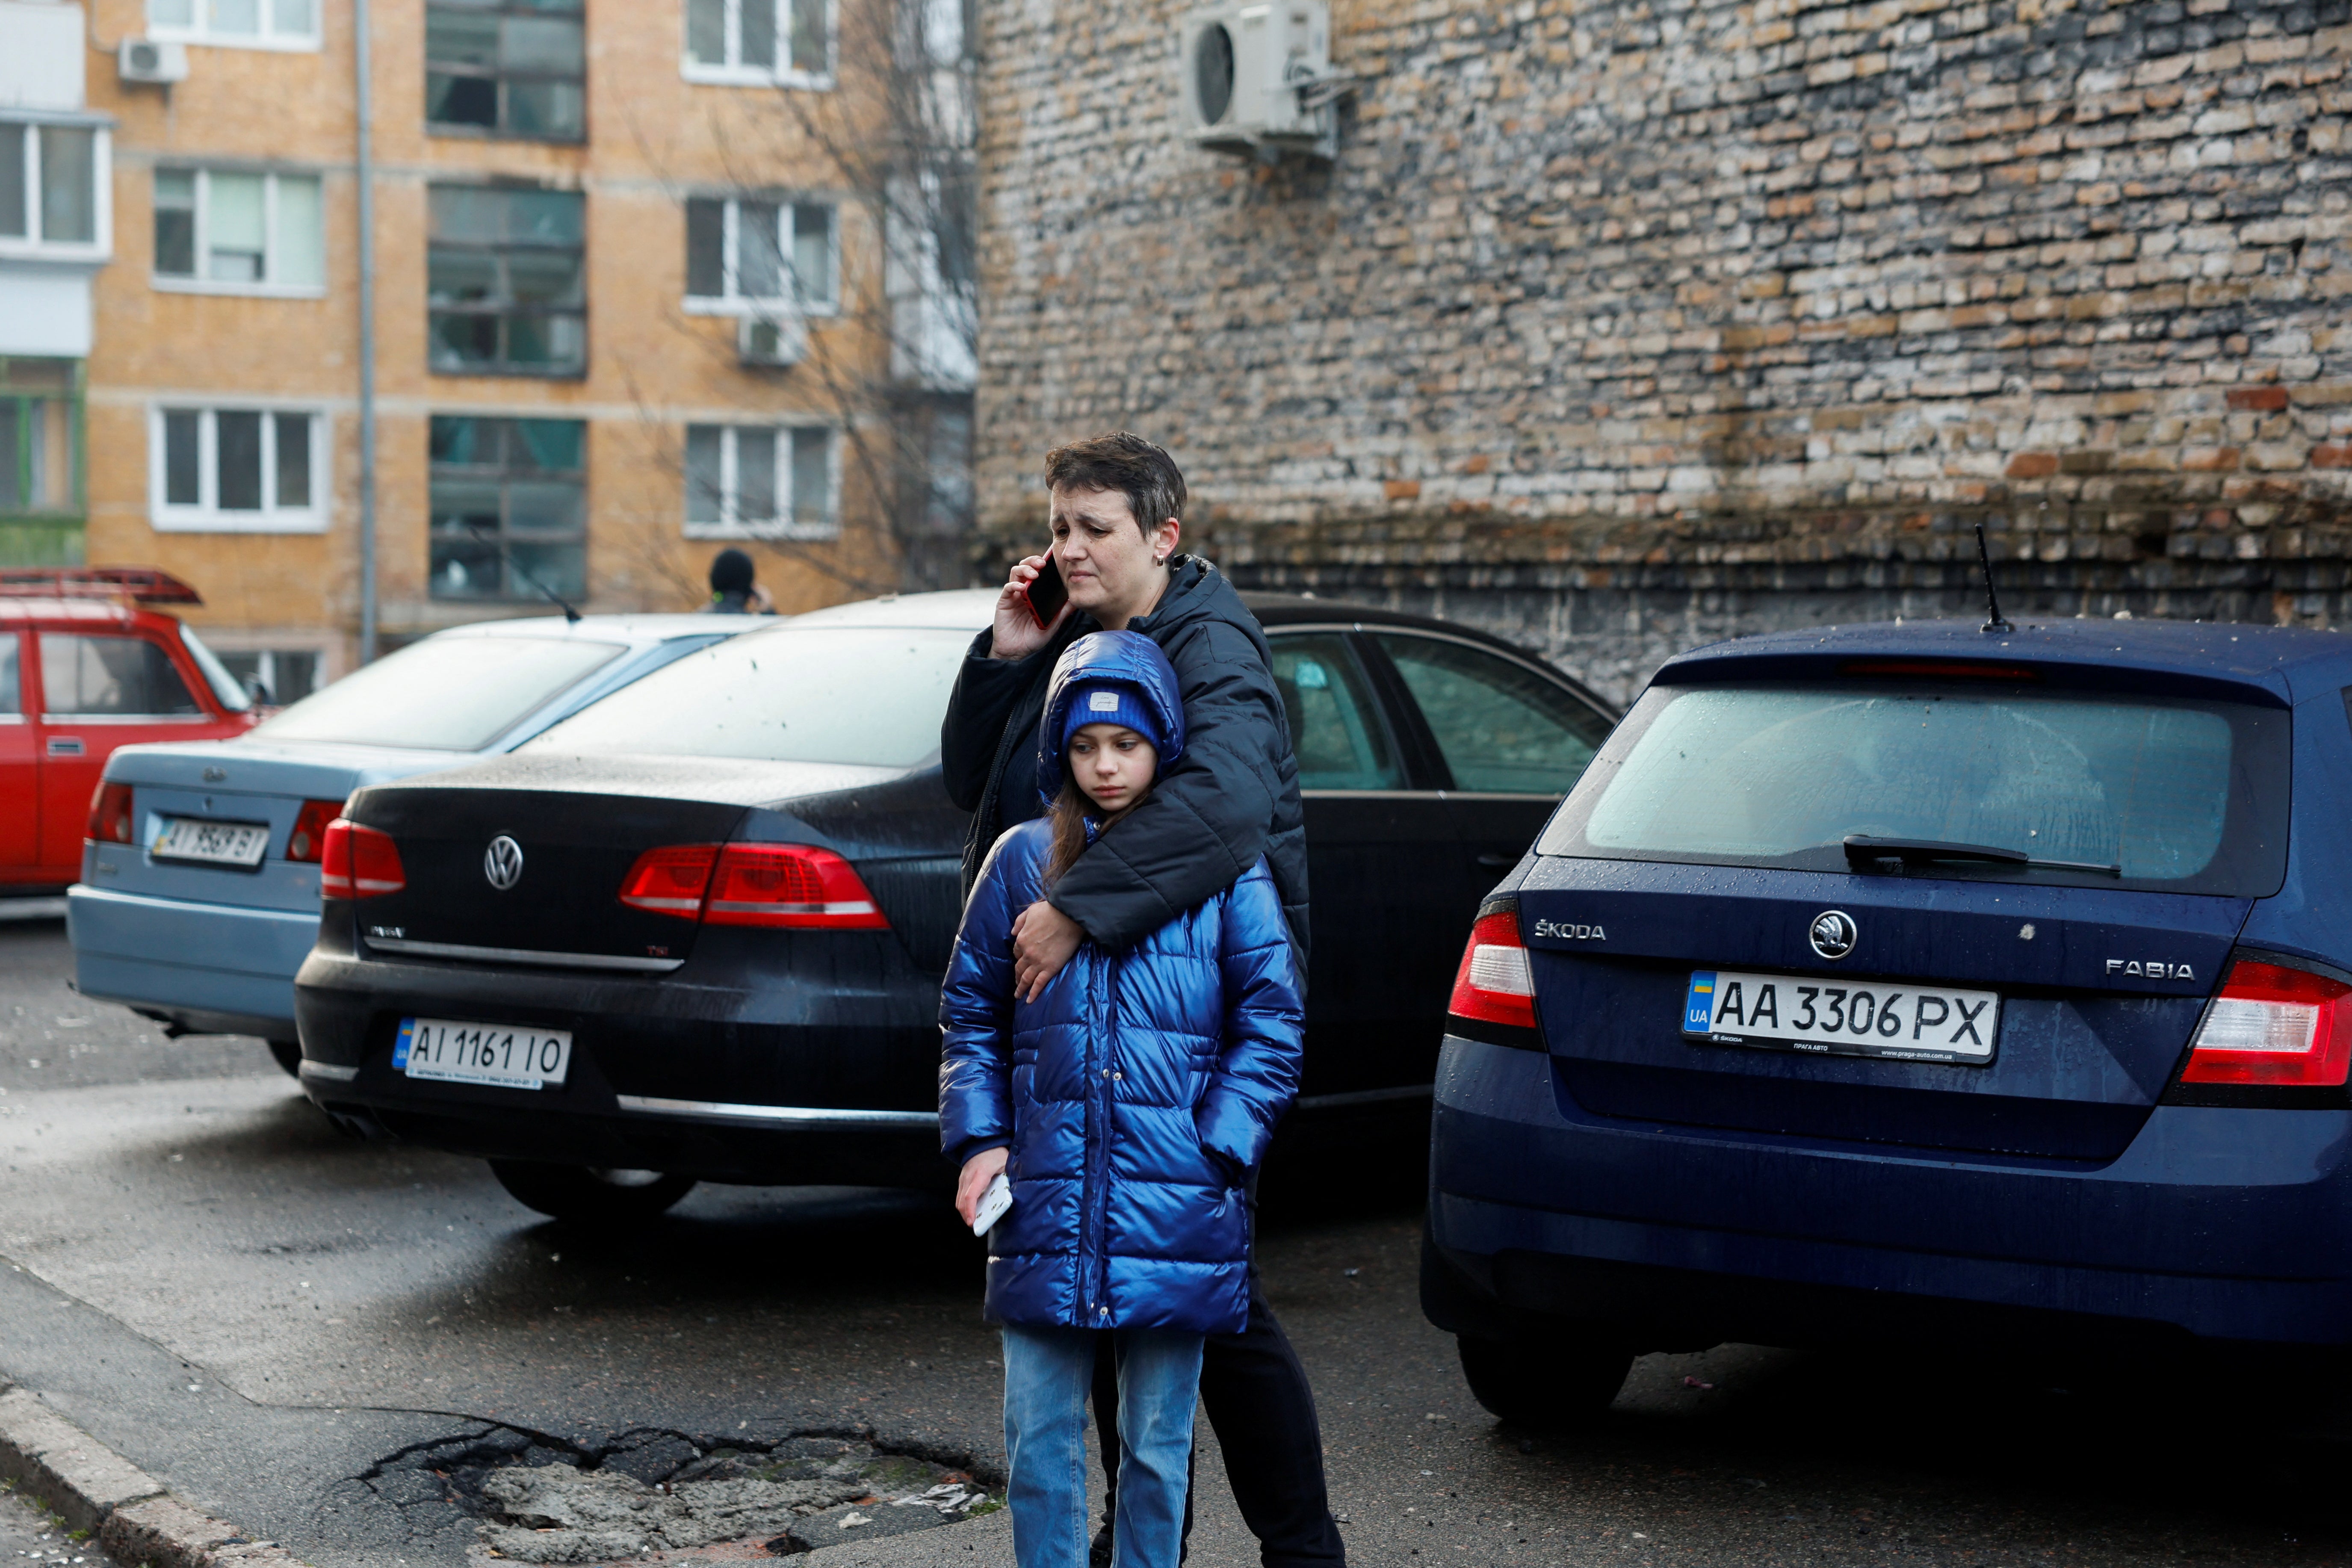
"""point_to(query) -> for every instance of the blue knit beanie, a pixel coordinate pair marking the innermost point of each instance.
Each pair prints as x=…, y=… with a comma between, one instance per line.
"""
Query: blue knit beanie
x=1110, y=702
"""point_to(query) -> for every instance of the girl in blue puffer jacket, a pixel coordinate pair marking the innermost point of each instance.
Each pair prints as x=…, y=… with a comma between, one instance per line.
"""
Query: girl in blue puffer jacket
x=1128, y=1103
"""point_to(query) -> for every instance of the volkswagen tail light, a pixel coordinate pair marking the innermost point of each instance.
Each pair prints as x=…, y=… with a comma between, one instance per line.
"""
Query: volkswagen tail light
x=670, y=880
x=358, y=862
x=110, y=819
x=308, y=841
x=2274, y=1026
x=790, y=885
x=1495, y=984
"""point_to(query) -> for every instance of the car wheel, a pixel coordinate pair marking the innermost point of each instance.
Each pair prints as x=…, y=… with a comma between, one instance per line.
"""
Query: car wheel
x=289, y=1054
x=1543, y=1385
x=582, y=1193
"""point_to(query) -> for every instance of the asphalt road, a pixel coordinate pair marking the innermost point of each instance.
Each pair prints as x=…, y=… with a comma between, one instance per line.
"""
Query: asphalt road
x=327, y=1341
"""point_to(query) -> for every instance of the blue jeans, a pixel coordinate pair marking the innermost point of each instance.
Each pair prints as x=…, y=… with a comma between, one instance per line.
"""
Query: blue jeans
x=1047, y=1373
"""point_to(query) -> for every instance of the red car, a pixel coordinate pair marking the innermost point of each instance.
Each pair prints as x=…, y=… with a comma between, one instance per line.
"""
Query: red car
x=86, y=666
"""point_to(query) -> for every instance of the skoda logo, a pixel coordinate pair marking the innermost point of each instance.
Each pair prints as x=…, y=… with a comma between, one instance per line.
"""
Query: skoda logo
x=502, y=864
x=1833, y=933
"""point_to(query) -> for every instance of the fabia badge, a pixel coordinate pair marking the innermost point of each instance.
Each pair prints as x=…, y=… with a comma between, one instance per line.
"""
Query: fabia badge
x=502, y=864
x=1833, y=933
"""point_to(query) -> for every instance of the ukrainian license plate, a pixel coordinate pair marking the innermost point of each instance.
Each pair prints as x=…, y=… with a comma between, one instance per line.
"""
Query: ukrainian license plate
x=211, y=843
x=502, y=1055
x=1864, y=1018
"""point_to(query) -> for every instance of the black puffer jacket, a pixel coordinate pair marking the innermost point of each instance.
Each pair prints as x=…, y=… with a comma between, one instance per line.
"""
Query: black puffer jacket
x=1232, y=797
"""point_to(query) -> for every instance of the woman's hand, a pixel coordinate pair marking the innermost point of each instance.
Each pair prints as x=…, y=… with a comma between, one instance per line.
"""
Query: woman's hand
x=978, y=1171
x=1017, y=634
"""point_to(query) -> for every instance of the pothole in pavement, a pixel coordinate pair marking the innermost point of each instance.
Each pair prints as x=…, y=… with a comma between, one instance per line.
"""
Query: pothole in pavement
x=661, y=1497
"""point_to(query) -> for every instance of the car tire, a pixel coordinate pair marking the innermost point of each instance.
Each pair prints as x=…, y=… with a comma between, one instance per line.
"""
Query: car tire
x=1551, y=1384
x=289, y=1054
x=579, y=1193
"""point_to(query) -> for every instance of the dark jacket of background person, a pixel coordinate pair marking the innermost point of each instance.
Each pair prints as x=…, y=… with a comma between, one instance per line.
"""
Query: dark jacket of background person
x=1233, y=797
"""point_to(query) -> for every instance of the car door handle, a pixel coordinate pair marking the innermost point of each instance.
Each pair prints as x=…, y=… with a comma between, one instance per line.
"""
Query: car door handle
x=1493, y=859
x=64, y=745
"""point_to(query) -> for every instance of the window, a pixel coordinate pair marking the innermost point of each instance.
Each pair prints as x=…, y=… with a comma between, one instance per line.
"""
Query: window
x=507, y=68
x=85, y=677
x=236, y=471
x=757, y=481
x=1336, y=727
x=53, y=182
x=509, y=508
x=11, y=703
x=788, y=41
x=240, y=232
x=275, y=675
x=743, y=253
x=458, y=692
x=40, y=437
x=250, y=24
x=1502, y=728
x=508, y=286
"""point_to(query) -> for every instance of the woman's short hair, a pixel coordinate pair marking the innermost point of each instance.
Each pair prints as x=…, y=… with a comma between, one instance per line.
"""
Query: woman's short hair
x=1122, y=460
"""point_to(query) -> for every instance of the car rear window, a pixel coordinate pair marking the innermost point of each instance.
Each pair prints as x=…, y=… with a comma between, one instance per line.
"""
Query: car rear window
x=2180, y=794
x=863, y=695
x=444, y=694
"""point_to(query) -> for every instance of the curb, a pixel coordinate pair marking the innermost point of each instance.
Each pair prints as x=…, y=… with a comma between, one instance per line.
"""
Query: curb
x=93, y=1488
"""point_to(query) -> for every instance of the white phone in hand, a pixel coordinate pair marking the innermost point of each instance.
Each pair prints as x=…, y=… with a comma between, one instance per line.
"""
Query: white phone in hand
x=992, y=1205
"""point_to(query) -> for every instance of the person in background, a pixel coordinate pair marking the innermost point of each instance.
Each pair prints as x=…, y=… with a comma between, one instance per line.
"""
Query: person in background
x=1117, y=505
x=1128, y=1103
x=733, y=590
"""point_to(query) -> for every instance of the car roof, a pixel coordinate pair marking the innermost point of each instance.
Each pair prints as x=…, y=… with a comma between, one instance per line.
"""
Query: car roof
x=25, y=609
x=628, y=627
x=2288, y=661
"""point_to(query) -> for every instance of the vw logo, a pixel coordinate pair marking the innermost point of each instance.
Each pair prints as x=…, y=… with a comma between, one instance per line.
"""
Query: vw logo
x=502, y=864
x=1833, y=933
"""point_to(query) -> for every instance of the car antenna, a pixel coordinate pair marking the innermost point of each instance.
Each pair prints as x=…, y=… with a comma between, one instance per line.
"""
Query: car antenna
x=571, y=615
x=1997, y=623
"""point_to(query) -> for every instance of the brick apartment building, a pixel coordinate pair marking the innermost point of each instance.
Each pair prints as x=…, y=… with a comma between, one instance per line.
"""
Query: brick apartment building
x=1620, y=325
x=630, y=305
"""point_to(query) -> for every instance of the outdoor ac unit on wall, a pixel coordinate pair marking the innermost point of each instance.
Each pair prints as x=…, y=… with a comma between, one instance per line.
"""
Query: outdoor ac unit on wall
x=771, y=341
x=1255, y=77
x=145, y=59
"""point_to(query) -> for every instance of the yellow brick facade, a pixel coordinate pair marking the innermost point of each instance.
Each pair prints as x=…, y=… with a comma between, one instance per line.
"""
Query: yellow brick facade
x=653, y=138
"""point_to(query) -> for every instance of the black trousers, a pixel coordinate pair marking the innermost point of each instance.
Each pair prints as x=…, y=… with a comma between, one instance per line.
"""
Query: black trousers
x=1257, y=1397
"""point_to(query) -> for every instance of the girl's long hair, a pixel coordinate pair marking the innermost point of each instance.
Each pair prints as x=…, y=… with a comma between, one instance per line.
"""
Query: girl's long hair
x=1069, y=815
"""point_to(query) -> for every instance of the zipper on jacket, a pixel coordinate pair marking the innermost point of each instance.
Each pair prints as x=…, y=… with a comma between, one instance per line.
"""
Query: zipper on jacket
x=1102, y=995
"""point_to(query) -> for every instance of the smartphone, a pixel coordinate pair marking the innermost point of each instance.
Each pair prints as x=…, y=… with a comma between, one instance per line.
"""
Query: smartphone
x=992, y=1205
x=1047, y=592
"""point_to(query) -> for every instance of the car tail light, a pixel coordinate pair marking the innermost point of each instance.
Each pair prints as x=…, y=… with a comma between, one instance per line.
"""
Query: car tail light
x=670, y=880
x=2274, y=1026
x=1494, y=984
x=359, y=862
x=110, y=815
x=789, y=885
x=309, y=839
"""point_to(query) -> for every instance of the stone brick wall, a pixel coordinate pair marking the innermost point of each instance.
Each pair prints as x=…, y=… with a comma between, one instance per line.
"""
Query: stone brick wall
x=1625, y=323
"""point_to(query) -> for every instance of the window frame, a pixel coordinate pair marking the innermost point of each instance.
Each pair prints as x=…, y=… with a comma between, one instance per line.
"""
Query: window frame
x=14, y=399
x=266, y=37
x=502, y=249
x=786, y=524
x=735, y=303
x=702, y=74
x=499, y=75
x=503, y=475
x=31, y=246
x=166, y=517
x=196, y=282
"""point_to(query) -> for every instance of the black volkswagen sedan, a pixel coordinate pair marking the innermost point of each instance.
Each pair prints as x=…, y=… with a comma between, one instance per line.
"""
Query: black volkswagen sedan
x=695, y=933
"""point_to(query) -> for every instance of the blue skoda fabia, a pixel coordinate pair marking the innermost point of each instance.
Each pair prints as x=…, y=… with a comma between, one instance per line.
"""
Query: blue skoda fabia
x=1918, y=982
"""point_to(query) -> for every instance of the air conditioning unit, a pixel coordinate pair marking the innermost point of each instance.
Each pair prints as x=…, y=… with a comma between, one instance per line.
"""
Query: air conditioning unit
x=1257, y=77
x=145, y=59
x=771, y=341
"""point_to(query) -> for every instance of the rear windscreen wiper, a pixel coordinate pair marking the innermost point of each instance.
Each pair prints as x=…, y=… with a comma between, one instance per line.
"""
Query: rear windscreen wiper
x=1862, y=848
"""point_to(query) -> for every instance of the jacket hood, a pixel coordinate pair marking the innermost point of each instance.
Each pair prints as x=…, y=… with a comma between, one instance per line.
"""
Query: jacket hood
x=1127, y=660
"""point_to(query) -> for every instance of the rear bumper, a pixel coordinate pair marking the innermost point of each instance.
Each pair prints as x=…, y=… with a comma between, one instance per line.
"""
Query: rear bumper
x=729, y=1070
x=2218, y=1224
x=211, y=968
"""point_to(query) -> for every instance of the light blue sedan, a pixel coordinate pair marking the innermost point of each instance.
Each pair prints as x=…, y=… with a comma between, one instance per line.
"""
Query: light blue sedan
x=199, y=891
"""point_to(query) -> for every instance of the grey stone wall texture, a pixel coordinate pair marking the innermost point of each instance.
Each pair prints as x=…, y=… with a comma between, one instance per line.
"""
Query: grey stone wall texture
x=1623, y=325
